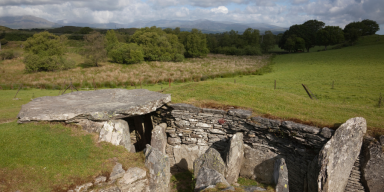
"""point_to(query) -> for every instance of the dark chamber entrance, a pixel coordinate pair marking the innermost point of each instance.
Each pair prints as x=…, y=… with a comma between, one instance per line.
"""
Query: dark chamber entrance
x=142, y=127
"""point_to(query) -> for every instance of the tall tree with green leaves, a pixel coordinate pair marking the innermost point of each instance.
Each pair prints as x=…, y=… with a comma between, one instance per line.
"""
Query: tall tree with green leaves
x=330, y=35
x=111, y=40
x=94, y=50
x=195, y=43
x=310, y=31
x=268, y=41
x=370, y=27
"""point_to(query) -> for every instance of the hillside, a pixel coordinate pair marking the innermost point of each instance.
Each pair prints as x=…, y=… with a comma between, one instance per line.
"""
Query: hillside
x=26, y=22
x=5, y=29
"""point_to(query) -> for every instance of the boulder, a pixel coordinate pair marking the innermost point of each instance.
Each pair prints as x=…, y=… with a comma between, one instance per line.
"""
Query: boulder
x=373, y=167
x=235, y=158
x=258, y=164
x=331, y=169
x=158, y=165
x=210, y=159
x=117, y=172
x=100, y=105
x=91, y=126
x=117, y=133
x=280, y=175
x=253, y=189
x=185, y=155
x=159, y=139
x=207, y=177
x=134, y=180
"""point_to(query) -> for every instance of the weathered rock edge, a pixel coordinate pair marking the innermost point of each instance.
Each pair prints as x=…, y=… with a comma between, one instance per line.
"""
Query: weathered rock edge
x=100, y=105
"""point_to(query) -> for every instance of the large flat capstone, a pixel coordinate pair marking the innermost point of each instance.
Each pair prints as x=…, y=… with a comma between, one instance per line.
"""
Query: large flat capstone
x=100, y=105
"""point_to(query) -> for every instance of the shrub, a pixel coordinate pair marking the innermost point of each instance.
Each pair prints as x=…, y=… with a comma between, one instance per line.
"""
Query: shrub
x=36, y=63
x=3, y=41
x=7, y=54
x=179, y=57
x=126, y=53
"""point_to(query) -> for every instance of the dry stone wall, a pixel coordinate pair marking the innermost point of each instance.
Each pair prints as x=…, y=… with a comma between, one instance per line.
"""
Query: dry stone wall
x=193, y=130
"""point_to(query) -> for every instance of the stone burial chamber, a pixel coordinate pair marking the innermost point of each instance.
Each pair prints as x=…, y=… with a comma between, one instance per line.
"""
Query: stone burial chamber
x=113, y=113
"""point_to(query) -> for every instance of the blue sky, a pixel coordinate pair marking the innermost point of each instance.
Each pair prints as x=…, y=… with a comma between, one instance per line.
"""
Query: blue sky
x=282, y=13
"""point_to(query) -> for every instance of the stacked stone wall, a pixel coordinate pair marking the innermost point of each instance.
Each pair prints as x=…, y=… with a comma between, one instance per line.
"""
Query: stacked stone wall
x=193, y=130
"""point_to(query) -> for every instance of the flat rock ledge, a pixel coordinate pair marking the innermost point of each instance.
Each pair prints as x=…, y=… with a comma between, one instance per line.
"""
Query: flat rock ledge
x=100, y=105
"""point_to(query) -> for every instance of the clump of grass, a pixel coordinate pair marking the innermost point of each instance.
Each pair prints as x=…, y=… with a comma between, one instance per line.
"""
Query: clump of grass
x=183, y=182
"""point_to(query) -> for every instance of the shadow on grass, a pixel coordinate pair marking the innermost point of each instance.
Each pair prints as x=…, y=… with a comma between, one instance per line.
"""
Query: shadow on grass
x=182, y=182
x=87, y=65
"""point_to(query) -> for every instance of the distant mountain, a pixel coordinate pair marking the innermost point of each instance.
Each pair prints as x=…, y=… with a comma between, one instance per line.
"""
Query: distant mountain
x=26, y=22
x=206, y=26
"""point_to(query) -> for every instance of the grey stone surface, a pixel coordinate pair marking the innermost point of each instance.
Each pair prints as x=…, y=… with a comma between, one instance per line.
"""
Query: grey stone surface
x=234, y=158
x=100, y=179
x=185, y=107
x=91, y=126
x=373, y=167
x=159, y=138
x=158, y=165
x=280, y=175
x=241, y=113
x=117, y=172
x=210, y=159
x=326, y=132
x=109, y=189
x=185, y=155
x=83, y=187
x=337, y=157
x=258, y=164
x=382, y=140
x=134, y=180
x=100, y=105
x=116, y=132
x=253, y=189
x=174, y=141
x=207, y=177
x=300, y=127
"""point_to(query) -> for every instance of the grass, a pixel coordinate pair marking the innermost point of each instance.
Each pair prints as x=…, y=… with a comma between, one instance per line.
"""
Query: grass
x=356, y=72
x=53, y=157
x=113, y=75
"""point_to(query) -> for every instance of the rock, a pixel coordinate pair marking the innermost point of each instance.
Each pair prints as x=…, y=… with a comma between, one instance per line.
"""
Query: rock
x=134, y=180
x=280, y=175
x=159, y=139
x=174, y=141
x=235, y=158
x=217, y=131
x=158, y=165
x=100, y=105
x=110, y=189
x=258, y=163
x=326, y=132
x=240, y=113
x=210, y=159
x=253, y=189
x=91, y=126
x=331, y=169
x=185, y=107
x=382, y=140
x=230, y=188
x=185, y=155
x=117, y=133
x=372, y=167
x=207, y=177
x=84, y=187
x=300, y=127
x=100, y=179
x=117, y=172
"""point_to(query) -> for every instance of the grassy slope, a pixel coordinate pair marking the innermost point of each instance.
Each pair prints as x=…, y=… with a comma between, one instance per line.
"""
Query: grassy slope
x=356, y=71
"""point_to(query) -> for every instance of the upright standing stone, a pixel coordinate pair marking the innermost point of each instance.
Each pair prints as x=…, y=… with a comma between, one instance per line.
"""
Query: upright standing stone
x=335, y=160
x=373, y=167
x=159, y=139
x=159, y=169
x=210, y=159
x=235, y=158
x=280, y=175
x=185, y=155
x=207, y=177
x=134, y=180
x=117, y=133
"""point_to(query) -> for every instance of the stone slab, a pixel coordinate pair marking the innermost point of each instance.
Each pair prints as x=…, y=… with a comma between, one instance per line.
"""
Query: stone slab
x=100, y=105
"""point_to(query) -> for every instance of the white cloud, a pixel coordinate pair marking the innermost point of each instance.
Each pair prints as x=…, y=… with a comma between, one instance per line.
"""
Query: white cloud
x=220, y=9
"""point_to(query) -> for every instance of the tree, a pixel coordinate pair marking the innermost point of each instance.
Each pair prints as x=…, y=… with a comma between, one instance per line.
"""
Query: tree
x=268, y=41
x=85, y=30
x=195, y=43
x=370, y=27
x=94, y=50
x=330, y=35
x=310, y=30
x=127, y=53
x=158, y=45
x=111, y=40
x=353, y=31
x=45, y=52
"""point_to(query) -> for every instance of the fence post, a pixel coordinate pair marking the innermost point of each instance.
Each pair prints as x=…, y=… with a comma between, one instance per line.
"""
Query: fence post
x=275, y=84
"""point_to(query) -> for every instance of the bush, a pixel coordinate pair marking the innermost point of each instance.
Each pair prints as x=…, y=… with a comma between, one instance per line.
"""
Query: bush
x=126, y=53
x=36, y=63
x=3, y=41
x=179, y=57
x=7, y=54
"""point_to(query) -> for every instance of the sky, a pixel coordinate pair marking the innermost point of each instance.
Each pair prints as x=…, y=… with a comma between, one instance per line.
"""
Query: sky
x=282, y=13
